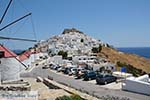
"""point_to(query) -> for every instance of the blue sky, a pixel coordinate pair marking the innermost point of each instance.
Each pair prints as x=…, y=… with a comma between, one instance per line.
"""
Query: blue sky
x=121, y=23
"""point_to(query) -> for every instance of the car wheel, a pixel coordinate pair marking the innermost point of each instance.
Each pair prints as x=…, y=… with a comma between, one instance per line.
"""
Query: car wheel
x=105, y=82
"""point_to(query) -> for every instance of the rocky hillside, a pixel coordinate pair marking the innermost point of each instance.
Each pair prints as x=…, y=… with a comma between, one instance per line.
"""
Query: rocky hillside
x=136, y=61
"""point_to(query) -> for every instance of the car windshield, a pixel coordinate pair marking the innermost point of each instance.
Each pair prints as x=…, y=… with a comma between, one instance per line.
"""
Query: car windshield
x=100, y=76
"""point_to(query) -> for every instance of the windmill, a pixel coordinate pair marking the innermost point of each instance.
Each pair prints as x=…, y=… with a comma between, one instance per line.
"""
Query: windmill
x=9, y=64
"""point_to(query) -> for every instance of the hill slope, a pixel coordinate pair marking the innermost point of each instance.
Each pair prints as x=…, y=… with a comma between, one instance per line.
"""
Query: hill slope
x=75, y=42
x=114, y=56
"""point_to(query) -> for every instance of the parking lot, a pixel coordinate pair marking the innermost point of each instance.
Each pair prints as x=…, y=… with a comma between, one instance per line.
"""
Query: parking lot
x=84, y=86
x=113, y=85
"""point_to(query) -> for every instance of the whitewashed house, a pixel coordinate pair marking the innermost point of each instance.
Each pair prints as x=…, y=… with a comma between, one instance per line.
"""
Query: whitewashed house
x=34, y=56
x=10, y=66
x=109, y=66
x=140, y=84
x=57, y=59
x=25, y=58
x=84, y=59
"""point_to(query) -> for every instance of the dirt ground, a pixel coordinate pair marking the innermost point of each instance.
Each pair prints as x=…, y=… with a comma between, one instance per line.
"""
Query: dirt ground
x=44, y=93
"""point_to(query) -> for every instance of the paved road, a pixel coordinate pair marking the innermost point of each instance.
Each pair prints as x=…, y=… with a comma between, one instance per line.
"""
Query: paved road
x=84, y=86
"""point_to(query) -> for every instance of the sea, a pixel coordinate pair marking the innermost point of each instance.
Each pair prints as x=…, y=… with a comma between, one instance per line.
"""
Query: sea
x=18, y=51
x=141, y=51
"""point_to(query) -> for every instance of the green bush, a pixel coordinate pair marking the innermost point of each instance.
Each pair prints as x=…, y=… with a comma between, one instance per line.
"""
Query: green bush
x=82, y=40
x=97, y=49
x=100, y=48
x=64, y=54
x=120, y=64
x=76, y=97
x=72, y=97
x=63, y=98
x=94, y=50
x=131, y=69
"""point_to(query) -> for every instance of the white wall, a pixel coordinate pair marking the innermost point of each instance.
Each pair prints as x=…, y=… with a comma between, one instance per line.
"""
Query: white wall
x=57, y=59
x=37, y=56
x=27, y=62
x=84, y=59
x=10, y=69
x=32, y=58
x=134, y=85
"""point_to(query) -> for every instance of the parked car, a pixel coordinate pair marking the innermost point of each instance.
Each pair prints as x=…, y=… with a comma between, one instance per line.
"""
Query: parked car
x=105, y=79
x=54, y=67
x=57, y=67
x=73, y=70
x=45, y=67
x=66, y=70
x=61, y=69
x=89, y=75
x=79, y=73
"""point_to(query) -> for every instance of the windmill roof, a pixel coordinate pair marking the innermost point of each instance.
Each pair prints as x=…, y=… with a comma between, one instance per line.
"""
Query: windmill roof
x=24, y=56
x=7, y=52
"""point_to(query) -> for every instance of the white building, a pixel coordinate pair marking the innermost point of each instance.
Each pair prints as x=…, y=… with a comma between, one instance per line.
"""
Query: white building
x=56, y=59
x=109, y=66
x=139, y=85
x=10, y=66
x=34, y=56
x=84, y=59
x=25, y=58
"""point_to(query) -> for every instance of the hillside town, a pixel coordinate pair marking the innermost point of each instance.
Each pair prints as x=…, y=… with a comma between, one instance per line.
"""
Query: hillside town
x=69, y=64
x=72, y=40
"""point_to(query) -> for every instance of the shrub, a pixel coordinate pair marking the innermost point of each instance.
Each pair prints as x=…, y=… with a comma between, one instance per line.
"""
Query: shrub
x=72, y=97
x=97, y=49
x=64, y=54
x=76, y=97
x=63, y=98
x=131, y=69
x=82, y=40
x=120, y=64
x=100, y=48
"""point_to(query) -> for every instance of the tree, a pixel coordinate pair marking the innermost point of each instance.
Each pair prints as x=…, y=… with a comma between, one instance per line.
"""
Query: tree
x=95, y=50
x=63, y=54
x=100, y=48
x=82, y=40
x=79, y=51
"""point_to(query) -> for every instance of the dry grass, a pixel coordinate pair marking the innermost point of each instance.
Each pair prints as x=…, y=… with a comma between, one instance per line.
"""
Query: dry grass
x=134, y=60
